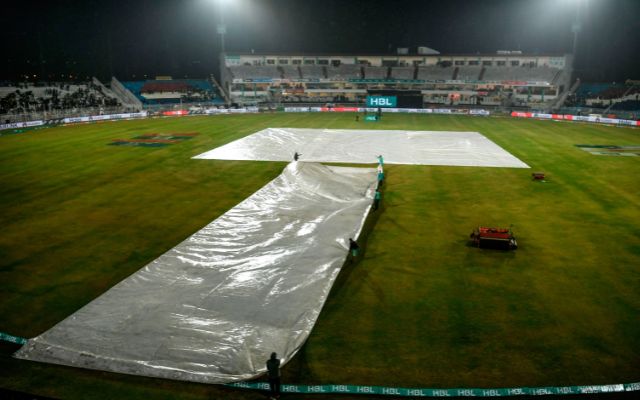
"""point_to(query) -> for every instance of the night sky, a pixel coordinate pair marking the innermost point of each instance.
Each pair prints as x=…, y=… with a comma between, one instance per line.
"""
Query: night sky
x=178, y=37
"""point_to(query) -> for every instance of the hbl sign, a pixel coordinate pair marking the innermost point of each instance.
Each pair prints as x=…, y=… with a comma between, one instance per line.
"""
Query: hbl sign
x=382, y=101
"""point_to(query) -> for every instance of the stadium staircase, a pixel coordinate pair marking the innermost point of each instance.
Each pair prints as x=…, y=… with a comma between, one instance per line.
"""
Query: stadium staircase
x=482, y=71
x=103, y=89
x=124, y=95
x=455, y=73
x=559, y=102
x=223, y=93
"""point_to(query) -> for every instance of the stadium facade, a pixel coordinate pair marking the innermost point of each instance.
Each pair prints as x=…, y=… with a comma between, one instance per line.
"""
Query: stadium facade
x=506, y=78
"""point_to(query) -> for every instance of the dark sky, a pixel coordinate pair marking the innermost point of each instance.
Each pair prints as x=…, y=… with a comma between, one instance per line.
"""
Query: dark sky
x=178, y=37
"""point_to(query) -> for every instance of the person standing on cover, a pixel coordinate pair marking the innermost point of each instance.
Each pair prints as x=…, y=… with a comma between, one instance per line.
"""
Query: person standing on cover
x=353, y=248
x=380, y=178
x=381, y=160
x=296, y=156
x=376, y=199
x=273, y=368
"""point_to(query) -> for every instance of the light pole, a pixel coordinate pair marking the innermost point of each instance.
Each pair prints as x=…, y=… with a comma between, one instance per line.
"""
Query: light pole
x=576, y=27
x=222, y=28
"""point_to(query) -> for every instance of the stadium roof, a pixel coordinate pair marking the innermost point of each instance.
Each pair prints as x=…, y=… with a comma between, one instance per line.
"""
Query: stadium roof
x=347, y=54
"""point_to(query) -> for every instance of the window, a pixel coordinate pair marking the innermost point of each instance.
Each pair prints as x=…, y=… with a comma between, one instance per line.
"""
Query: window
x=271, y=62
x=515, y=63
x=474, y=62
x=309, y=62
x=323, y=62
x=283, y=62
x=459, y=62
x=335, y=63
x=487, y=63
x=296, y=62
x=501, y=63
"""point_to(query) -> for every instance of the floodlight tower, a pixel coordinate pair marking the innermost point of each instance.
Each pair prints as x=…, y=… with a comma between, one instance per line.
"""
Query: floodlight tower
x=576, y=27
x=221, y=28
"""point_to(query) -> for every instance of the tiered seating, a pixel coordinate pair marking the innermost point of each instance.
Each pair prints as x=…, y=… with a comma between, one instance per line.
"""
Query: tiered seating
x=290, y=72
x=375, y=72
x=402, y=72
x=255, y=72
x=628, y=105
x=201, y=84
x=173, y=91
x=435, y=73
x=613, y=92
x=344, y=71
x=169, y=86
x=468, y=73
x=601, y=91
x=532, y=74
x=39, y=97
x=591, y=90
x=634, y=90
x=312, y=71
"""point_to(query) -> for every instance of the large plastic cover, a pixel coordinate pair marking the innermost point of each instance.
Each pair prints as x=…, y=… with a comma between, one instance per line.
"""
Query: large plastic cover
x=362, y=146
x=213, y=308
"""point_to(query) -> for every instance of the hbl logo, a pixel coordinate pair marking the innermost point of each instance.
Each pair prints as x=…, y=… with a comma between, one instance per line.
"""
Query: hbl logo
x=381, y=101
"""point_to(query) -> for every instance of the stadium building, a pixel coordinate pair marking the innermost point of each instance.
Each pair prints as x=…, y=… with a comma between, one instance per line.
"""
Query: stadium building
x=427, y=78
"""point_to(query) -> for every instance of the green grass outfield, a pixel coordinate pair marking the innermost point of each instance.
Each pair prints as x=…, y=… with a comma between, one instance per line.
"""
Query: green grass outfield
x=422, y=309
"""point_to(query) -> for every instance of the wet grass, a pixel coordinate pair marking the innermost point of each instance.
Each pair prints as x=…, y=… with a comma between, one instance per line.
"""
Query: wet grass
x=421, y=308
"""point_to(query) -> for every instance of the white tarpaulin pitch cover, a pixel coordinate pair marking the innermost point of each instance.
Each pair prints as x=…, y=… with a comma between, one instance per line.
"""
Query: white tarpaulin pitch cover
x=214, y=307
x=362, y=146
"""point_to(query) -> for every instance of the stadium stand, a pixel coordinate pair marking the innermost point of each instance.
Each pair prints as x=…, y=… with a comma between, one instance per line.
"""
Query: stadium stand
x=290, y=72
x=611, y=99
x=468, y=73
x=434, y=73
x=376, y=72
x=403, y=73
x=124, y=95
x=524, y=73
x=55, y=96
x=344, y=71
x=312, y=72
x=591, y=90
x=156, y=92
x=600, y=93
x=627, y=105
x=503, y=80
x=255, y=72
